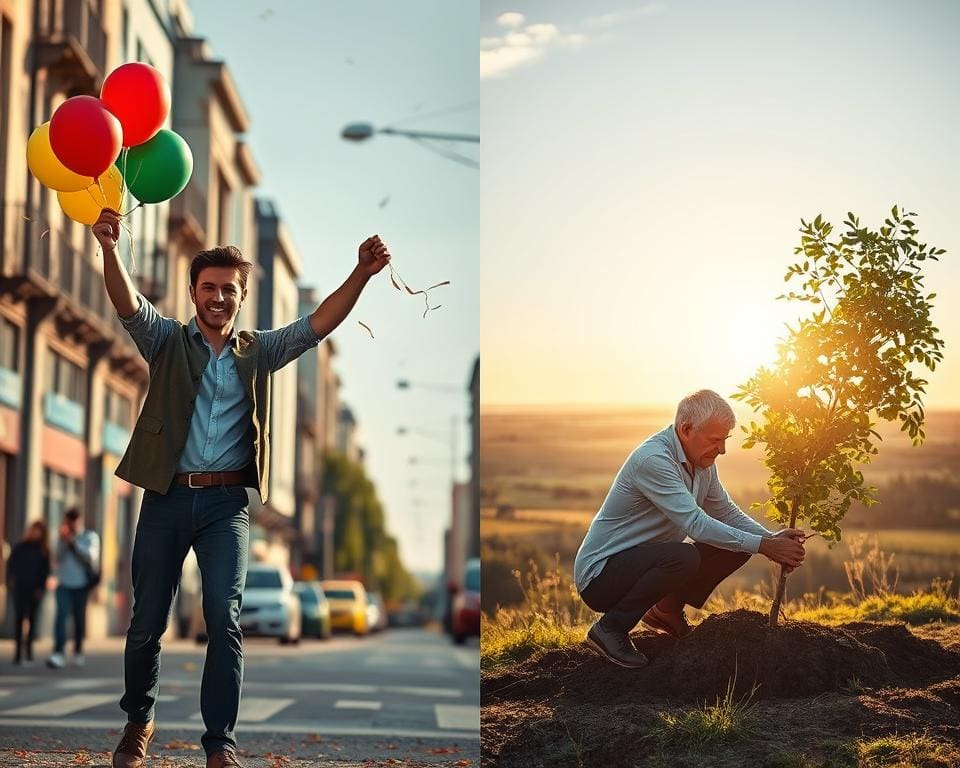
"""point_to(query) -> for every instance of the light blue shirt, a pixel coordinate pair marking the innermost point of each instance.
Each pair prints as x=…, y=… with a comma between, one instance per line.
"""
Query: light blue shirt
x=70, y=571
x=654, y=499
x=220, y=438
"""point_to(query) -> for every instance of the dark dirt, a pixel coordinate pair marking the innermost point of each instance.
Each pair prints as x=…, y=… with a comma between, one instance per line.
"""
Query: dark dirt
x=829, y=685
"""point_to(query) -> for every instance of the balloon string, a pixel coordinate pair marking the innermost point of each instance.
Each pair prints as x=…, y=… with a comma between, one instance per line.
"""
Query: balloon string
x=123, y=173
x=129, y=231
x=400, y=285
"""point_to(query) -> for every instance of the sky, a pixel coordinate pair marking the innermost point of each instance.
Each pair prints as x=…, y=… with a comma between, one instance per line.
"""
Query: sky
x=647, y=164
x=304, y=70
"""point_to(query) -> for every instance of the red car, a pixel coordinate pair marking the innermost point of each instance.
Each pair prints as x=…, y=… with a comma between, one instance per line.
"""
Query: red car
x=465, y=613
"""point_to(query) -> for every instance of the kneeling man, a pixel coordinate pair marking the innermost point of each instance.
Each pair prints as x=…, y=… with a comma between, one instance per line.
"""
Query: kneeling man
x=633, y=564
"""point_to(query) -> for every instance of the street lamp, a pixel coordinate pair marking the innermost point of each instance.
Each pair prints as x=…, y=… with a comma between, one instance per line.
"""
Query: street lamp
x=364, y=131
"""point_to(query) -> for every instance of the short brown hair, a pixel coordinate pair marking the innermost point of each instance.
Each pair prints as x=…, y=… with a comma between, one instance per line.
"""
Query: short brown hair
x=221, y=256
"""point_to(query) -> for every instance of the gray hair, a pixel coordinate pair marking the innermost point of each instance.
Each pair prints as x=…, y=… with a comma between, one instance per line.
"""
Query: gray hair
x=697, y=409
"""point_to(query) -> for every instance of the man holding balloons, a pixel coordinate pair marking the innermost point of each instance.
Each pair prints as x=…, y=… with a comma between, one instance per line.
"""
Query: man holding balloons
x=202, y=437
x=201, y=440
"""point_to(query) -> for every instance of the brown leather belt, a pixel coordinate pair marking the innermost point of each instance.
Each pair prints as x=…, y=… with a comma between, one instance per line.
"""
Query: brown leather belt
x=210, y=479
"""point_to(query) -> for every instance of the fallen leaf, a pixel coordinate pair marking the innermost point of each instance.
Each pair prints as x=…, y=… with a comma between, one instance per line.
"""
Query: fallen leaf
x=177, y=744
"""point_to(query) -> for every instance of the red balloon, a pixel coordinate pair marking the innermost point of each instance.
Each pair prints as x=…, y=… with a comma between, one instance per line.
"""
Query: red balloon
x=85, y=136
x=140, y=98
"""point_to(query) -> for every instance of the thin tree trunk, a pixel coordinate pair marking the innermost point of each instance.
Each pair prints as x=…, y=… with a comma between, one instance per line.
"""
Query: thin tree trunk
x=782, y=582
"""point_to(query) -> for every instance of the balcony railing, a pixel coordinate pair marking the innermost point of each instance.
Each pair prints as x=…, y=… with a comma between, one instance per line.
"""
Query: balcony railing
x=72, y=38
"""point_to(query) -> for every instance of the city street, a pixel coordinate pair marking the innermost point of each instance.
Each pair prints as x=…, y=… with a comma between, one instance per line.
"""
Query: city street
x=404, y=695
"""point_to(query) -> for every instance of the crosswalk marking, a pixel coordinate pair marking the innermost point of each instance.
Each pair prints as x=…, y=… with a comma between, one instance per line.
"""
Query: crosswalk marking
x=6, y=691
x=460, y=717
x=255, y=710
x=347, y=704
x=467, y=658
x=83, y=684
x=415, y=690
x=65, y=706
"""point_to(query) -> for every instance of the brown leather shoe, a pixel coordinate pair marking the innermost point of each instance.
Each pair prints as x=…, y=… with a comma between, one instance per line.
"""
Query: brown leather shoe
x=225, y=758
x=132, y=749
x=674, y=624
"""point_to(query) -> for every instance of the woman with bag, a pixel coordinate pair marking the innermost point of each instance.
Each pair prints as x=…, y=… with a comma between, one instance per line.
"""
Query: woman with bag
x=27, y=572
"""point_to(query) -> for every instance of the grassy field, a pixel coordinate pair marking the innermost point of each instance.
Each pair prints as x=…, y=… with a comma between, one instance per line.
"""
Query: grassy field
x=545, y=474
x=567, y=459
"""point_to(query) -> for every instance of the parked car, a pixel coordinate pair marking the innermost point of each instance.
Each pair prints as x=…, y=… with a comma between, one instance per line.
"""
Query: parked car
x=270, y=606
x=376, y=612
x=465, y=612
x=348, y=605
x=314, y=609
x=407, y=614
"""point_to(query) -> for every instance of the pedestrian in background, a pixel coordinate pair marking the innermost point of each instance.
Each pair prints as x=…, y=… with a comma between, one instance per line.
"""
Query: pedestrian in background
x=27, y=572
x=78, y=556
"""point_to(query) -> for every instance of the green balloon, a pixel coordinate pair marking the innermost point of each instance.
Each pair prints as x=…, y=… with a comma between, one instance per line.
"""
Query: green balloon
x=158, y=169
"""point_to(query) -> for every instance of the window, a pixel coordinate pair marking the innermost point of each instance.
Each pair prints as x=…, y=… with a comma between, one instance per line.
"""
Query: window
x=9, y=345
x=125, y=34
x=116, y=409
x=65, y=378
x=60, y=492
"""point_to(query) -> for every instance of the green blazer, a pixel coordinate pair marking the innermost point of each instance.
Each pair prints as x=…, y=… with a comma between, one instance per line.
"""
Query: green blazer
x=161, y=431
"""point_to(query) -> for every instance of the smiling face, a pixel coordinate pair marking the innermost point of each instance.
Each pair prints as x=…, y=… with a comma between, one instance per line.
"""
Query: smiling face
x=217, y=297
x=703, y=445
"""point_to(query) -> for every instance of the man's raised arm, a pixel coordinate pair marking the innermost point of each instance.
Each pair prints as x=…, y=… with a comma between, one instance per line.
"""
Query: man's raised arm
x=373, y=256
x=119, y=286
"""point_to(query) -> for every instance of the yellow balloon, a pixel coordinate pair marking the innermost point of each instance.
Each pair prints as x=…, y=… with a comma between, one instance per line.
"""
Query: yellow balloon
x=47, y=168
x=85, y=206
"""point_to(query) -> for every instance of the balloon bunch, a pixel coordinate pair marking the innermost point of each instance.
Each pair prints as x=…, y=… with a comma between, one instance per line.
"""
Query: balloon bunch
x=91, y=149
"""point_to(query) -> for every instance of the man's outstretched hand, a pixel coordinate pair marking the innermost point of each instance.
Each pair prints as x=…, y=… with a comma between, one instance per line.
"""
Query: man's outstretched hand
x=373, y=255
x=784, y=547
x=107, y=229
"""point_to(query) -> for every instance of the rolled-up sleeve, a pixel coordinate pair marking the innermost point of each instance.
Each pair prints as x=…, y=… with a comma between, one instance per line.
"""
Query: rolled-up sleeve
x=659, y=480
x=718, y=504
x=148, y=328
x=286, y=344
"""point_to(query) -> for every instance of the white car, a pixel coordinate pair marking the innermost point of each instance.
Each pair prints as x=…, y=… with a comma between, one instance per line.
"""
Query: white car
x=270, y=606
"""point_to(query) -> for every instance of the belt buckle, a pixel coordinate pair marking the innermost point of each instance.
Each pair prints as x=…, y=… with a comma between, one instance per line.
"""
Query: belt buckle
x=190, y=480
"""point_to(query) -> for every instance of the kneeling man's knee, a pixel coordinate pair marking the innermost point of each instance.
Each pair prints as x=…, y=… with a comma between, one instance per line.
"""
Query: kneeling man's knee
x=690, y=559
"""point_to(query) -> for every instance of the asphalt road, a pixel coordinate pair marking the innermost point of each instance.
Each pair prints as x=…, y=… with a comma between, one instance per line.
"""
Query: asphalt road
x=404, y=694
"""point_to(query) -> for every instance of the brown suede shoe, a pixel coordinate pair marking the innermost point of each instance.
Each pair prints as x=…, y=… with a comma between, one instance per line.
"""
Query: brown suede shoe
x=225, y=758
x=132, y=749
x=672, y=623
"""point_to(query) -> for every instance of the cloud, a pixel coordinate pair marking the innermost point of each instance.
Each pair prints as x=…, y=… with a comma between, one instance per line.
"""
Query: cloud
x=522, y=45
x=608, y=20
x=510, y=19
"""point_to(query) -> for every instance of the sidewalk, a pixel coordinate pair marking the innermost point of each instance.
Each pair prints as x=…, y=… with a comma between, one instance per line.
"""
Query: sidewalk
x=16, y=758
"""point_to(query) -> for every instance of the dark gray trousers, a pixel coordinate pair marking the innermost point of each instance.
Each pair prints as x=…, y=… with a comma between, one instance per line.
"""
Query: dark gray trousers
x=634, y=580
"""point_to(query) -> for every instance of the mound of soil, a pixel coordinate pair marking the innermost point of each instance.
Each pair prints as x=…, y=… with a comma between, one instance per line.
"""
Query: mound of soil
x=795, y=660
x=819, y=689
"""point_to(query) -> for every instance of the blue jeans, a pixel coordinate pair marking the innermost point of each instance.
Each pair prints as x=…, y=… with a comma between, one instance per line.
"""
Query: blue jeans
x=215, y=522
x=73, y=601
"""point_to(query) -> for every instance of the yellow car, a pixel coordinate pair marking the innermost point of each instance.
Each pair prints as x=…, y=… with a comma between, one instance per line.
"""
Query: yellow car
x=348, y=605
